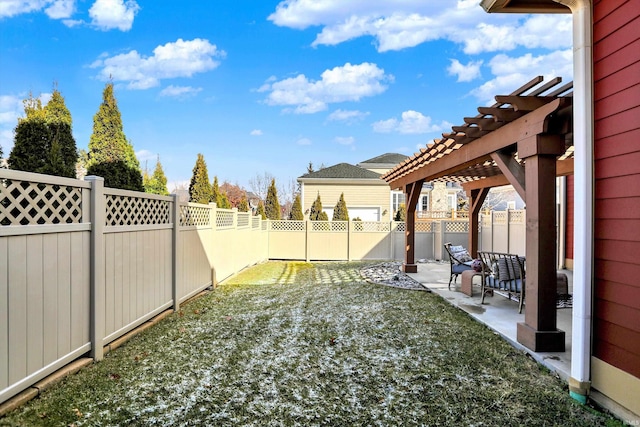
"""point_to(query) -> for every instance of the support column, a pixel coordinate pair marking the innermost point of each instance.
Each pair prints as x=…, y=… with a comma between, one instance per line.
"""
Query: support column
x=476, y=199
x=412, y=193
x=539, y=330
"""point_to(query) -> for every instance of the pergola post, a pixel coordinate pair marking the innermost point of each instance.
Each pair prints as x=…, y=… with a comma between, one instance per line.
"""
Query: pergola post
x=539, y=330
x=412, y=193
x=476, y=199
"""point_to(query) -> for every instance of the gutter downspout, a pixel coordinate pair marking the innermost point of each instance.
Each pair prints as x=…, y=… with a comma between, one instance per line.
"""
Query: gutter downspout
x=580, y=380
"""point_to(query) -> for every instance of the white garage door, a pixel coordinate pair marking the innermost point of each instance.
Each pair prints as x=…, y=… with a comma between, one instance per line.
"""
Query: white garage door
x=365, y=214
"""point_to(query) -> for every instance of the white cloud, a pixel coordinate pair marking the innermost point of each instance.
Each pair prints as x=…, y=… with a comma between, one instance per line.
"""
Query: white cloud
x=399, y=25
x=340, y=84
x=465, y=73
x=55, y=9
x=255, y=132
x=411, y=122
x=511, y=72
x=349, y=116
x=145, y=155
x=60, y=9
x=11, y=8
x=180, y=91
x=172, y=60
x=345, y=140
x=113, y=14
x=303, y=141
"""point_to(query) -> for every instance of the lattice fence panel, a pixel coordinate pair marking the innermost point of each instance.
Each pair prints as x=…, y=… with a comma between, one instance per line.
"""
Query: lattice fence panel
x=401, y=226
x=486, y=220
x=457, y=227
x=30, y=203
x=329, y=226
x=194, y=216
x=286, y=226
x=224, y=219
x=243, y=219
x=371, y=226
x=423, y=226
x=125, y=210
x=499, y=217
x=517, y=217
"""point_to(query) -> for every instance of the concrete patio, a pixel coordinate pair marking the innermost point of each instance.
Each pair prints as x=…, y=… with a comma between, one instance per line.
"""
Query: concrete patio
x=498, y=313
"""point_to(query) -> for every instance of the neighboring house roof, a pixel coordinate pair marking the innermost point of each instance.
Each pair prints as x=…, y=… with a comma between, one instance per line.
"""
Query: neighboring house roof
x=342, y=171
x=384, y=159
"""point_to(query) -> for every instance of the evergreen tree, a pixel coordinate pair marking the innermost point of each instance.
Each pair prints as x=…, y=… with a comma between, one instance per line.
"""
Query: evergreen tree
x=156, y=183
x=31, y=145
x=401, y=214
x=62, y=154
x=43, y=141
x=261, y=211
x=340, y=212
x=219, y=197
x=33, y=109
x=110, y=154
x=316, y=210
x=199, y=187
x=310, y=168
x=296, y=210
x=56, y=110
x=243, y=206
x=323, y=216
x=272, y=206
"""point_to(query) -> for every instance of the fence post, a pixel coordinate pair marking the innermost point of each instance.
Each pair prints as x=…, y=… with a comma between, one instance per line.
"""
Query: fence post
x=392, y=235
x=348, y=240
x=307, y=225
x=97, y=268
x=175, y=294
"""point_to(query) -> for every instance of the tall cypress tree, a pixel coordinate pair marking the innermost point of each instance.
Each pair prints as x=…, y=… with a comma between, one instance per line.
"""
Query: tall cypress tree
x=31, y=145
x=199, y=187
x=44, y=141
x=272, y=206
x=261, y=211
x=316, y=209
x=110, y=154
x=219, y=197
x=340, y=212
x=296, y=210
x=156, y=183
x=243, y=206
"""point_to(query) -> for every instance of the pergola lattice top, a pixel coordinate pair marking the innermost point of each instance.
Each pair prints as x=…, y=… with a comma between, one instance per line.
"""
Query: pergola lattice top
x=507, y=109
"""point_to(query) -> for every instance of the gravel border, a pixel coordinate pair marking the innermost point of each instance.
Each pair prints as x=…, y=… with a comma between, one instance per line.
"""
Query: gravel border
x=390, y=274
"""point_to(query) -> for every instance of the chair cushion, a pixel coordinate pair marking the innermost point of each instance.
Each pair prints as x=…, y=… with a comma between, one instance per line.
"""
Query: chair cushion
x=459, y=268
x=463, y=256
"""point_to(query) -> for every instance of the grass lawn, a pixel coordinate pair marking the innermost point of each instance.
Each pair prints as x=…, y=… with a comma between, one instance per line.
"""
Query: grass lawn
x=312, y=344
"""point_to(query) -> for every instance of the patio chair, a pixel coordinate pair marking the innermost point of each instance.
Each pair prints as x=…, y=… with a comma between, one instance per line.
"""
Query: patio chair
x=459, y=259
x=503, y=273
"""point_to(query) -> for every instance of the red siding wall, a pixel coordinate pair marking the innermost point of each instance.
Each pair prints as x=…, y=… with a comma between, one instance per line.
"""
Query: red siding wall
x=616, y=53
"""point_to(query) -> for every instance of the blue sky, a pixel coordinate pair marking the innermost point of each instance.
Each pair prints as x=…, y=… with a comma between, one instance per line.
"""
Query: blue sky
x=268, y=86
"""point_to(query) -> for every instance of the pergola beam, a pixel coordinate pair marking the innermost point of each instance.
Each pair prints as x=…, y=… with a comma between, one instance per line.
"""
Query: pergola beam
x=512, y=170
x=480, y=150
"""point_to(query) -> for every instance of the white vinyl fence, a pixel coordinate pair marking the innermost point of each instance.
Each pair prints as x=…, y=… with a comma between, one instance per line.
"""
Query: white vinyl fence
x=81, y=265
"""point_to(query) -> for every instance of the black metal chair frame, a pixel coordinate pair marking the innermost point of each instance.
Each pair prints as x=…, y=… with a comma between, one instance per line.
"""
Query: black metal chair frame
x=457, y=266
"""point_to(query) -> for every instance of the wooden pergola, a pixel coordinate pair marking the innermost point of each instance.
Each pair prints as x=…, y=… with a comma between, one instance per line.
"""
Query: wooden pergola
x=526, y=140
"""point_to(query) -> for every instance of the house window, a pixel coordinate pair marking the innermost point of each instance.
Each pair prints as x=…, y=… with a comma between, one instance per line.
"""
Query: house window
x=453, y=202
x=397, y=200
x=424, y=206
